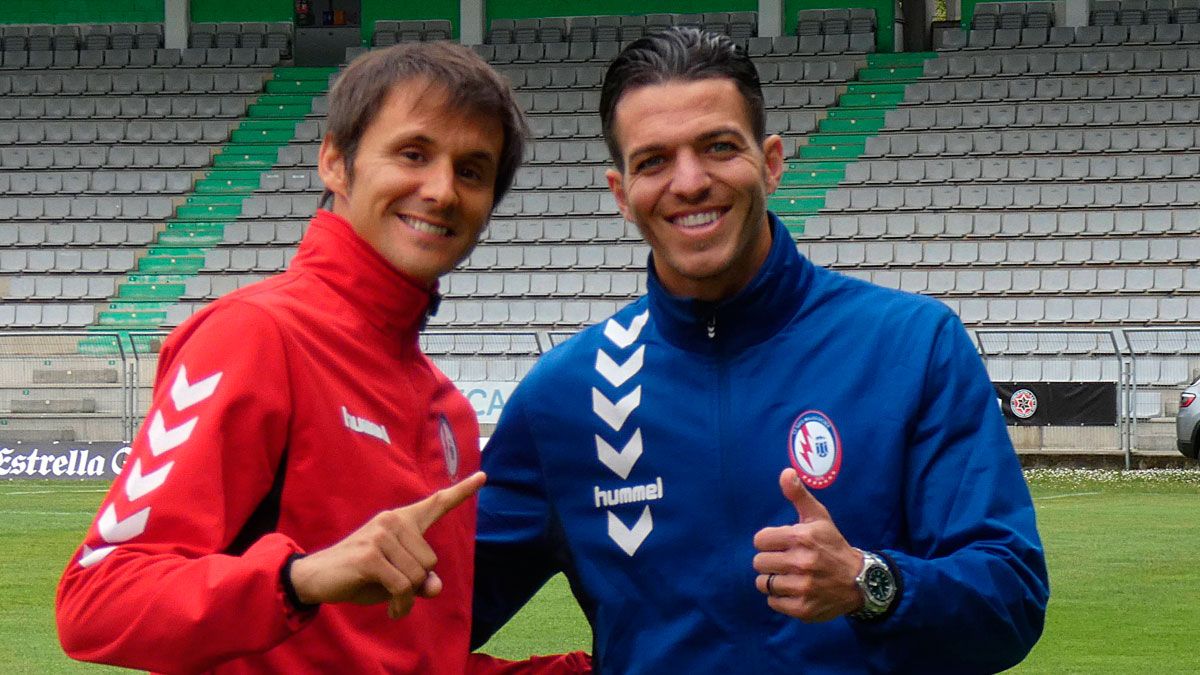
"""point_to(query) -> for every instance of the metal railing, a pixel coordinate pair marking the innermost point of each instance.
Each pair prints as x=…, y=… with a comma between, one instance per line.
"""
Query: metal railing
x=42, y=372
x=66, y=363
x=1126, y=349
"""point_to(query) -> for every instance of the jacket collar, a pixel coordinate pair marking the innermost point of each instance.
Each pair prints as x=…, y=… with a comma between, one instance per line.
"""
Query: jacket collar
x=754, y=314
x=371, y=287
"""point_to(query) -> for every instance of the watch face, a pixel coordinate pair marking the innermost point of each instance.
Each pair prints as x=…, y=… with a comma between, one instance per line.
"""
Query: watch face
x=879, y=585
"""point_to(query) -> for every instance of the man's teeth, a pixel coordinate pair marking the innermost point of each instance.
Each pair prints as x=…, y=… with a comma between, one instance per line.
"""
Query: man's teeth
x=697, y=219
x=427, y=228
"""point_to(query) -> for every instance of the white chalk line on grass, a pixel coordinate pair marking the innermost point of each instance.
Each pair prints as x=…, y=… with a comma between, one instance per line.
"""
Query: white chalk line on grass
x=1069, y=494
x=51, y=492
x=48, y=513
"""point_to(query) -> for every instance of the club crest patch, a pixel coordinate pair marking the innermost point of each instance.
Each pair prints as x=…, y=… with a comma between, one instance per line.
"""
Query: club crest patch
x=815, y=449
x=449, y=446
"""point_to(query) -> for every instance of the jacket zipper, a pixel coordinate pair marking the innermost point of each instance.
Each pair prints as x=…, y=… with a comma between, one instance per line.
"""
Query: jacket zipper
x=725, y=430
x=729, y=462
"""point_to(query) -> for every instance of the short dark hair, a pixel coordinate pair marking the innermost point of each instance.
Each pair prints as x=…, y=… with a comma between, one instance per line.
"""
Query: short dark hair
x=679, y=53
x=470, y=84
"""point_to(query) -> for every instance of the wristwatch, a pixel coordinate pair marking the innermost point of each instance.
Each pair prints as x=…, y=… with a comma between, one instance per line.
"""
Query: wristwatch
x=878, y=586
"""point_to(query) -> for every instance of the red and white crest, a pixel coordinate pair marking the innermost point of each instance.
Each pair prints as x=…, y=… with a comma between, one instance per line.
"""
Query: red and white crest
x=815, y=449
x=1023, y=403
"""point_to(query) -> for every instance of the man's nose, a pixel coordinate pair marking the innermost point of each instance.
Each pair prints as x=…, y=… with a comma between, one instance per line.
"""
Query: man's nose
x=690, y=179
x=438, y=185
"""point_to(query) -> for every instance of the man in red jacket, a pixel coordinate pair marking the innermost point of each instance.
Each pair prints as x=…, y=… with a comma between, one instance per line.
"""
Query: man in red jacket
x=255, y=527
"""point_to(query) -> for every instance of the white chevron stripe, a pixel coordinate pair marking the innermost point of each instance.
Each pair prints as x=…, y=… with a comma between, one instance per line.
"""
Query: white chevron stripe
x=630, y=539
x=116, y=531
x=621, y=463
x=615, y=414
x=163, y=439
x=623, y=337
x=138, y=485
x=92, y=556
x=617, y=375
x=187, y=395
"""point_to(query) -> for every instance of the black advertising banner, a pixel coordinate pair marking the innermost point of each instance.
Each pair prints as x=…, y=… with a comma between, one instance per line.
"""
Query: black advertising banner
x=1059, y=404
x=62, y=460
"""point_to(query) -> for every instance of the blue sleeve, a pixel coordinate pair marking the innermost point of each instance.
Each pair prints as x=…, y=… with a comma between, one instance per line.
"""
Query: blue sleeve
x=514, y=554
x=973, y=570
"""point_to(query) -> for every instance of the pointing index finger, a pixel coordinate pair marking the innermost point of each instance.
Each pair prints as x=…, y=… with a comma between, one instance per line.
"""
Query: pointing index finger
x=438, y=504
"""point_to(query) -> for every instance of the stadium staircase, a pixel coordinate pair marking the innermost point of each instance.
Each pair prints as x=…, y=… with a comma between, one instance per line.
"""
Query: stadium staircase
x=842, y=135
x=1042, y=183
x=138, y=311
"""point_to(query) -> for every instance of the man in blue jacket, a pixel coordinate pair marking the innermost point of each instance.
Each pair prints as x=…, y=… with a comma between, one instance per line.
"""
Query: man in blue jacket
x=760, y=466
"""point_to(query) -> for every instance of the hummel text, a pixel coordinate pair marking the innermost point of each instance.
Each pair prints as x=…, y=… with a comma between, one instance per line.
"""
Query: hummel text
x=629, y=495
x=364, y=426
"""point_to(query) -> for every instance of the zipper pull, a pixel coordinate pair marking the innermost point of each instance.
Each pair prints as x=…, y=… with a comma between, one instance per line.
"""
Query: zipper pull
x=712, y=327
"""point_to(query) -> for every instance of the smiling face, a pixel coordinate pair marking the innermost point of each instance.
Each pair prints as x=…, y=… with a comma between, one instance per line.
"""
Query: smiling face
x=695, y=182
x=422, y=183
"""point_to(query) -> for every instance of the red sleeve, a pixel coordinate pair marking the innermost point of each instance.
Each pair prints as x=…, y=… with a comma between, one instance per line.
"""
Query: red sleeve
x=574, y=663
x=149, y=588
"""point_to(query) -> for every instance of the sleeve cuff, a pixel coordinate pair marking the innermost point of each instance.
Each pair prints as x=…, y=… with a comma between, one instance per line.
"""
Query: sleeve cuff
x=291, y=598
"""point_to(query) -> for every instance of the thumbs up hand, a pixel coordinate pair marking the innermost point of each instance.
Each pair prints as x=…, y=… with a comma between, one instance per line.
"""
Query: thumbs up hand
x=807, y=570
x=387, y=559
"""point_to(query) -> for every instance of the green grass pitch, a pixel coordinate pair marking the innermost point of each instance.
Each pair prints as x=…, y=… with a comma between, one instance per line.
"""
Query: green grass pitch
x=1121, y=549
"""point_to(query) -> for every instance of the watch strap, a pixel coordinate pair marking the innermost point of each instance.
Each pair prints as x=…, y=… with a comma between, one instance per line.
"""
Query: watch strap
x=866, y=613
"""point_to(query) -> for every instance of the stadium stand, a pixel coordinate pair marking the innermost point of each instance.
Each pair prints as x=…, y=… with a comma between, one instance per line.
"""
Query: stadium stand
x=391, y=32
x=1028, y=175
x=88, y=157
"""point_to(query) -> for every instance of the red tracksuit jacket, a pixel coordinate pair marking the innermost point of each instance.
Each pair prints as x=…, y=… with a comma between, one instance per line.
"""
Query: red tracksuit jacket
x=321, y=362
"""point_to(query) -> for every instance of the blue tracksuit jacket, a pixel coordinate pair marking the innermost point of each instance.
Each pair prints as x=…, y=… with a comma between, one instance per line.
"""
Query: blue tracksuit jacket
x=641, y=456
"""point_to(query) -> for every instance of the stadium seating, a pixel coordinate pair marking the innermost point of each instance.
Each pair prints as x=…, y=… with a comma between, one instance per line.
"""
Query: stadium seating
x=1027, y=175
x=390, y=32
x=979, y=132
x=98, y=149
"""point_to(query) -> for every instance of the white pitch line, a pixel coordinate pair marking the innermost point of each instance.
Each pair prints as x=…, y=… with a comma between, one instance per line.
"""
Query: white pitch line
x=1070, y=494
x=48, y=513
x=52, y=492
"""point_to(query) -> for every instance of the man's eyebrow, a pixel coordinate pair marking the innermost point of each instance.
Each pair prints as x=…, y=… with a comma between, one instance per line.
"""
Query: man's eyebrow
x=646, y=150
x=415, y=138
x=722, y=131
x=485, y=155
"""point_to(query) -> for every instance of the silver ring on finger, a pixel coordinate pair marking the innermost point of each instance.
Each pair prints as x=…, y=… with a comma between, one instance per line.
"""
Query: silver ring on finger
x=771, y=583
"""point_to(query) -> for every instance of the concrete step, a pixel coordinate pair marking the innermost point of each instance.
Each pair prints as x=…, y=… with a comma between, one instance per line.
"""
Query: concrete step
x=1082, y=458
x=10, y=433
x=1157, y=435
x=34, y=404
x=76, y=375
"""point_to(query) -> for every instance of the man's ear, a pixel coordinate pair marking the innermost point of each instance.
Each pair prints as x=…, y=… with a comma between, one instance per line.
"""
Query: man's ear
x=772, y=148
x=616, y=186
x=331, y=167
